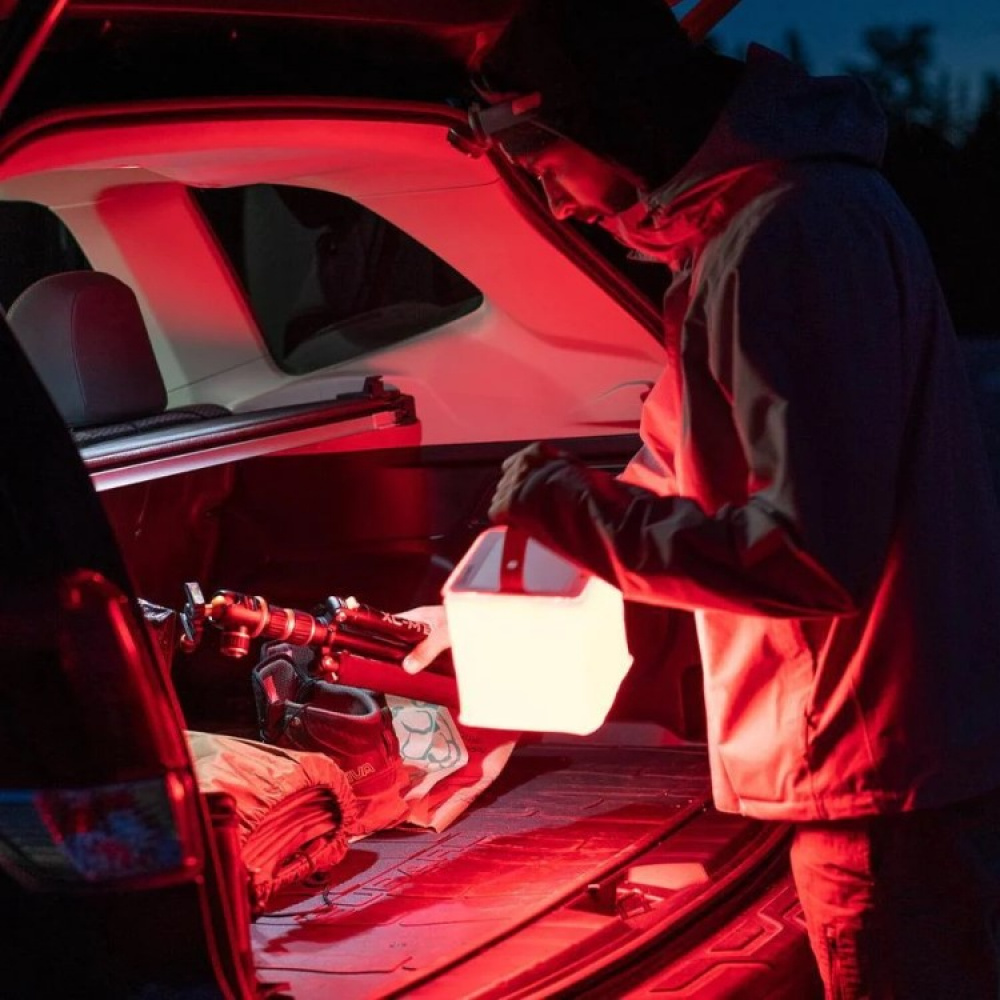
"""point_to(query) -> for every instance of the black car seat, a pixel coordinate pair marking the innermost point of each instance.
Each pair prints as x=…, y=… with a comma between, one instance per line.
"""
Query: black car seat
x=84, y=333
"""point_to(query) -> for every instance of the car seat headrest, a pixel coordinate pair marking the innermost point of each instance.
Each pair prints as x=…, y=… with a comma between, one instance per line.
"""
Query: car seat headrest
x=85, y=335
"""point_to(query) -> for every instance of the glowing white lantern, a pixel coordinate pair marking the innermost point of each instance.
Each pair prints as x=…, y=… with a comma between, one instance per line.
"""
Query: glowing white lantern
x=538, y=643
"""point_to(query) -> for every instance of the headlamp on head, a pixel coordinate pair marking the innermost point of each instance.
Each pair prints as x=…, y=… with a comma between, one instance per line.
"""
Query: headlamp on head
x=513, y=126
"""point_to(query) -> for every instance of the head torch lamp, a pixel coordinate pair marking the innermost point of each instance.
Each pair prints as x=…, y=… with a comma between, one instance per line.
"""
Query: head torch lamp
x=512, y=126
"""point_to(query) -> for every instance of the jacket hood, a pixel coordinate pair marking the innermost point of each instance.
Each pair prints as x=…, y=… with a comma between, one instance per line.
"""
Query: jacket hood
x=778, y=112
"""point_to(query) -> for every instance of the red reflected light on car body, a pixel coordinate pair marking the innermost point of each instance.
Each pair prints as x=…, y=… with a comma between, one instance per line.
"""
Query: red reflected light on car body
x=94, y=789
x=121, y=834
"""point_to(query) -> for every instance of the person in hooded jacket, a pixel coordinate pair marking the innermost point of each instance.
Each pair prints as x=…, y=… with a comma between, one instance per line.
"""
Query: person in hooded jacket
x=812, y=482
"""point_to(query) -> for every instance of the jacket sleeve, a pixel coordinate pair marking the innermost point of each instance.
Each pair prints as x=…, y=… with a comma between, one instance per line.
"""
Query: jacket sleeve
x=801, y=328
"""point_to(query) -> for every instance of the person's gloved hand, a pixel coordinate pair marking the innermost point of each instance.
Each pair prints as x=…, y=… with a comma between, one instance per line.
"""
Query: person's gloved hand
x=437, y=641
x=516, y=469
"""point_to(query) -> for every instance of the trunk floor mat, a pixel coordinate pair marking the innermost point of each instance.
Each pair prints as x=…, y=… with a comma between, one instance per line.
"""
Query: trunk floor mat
x=409, y=902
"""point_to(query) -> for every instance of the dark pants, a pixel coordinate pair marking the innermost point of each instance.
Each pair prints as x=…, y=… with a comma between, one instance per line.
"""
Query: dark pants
x=905, y=906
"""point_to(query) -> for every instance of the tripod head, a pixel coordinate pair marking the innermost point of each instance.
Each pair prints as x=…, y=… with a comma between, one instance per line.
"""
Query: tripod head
x=356, y=644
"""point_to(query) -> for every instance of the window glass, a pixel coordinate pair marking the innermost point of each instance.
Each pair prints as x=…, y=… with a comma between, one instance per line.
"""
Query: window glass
x=34, y=243
x=327, y=279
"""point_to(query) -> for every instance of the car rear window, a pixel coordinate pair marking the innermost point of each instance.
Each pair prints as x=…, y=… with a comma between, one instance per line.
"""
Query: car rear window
x=34, y=243
x=327, y=279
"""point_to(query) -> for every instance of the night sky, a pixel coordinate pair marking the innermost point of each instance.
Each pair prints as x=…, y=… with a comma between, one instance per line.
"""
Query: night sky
x=967, y=36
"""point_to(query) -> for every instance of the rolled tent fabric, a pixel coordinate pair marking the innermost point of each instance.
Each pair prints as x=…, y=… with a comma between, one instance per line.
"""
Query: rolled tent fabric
x=295, y=810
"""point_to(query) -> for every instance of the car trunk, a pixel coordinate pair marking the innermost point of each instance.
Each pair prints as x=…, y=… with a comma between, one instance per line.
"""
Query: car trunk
x=581, y=853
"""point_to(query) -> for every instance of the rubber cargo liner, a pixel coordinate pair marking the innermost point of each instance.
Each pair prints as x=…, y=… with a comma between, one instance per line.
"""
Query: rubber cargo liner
x=412, y=902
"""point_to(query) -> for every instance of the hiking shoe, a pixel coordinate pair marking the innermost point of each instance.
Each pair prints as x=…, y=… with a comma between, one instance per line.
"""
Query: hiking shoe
x=352, y=726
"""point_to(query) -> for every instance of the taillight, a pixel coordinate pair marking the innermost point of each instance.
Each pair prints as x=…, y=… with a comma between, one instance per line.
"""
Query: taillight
x=96, y=786
x=119, y=835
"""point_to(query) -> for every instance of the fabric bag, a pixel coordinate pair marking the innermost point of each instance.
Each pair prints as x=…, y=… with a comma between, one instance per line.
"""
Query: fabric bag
x=295, y=810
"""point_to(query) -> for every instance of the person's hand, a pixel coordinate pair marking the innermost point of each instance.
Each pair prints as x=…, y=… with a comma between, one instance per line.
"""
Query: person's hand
x=516, y=469
x=436, y=642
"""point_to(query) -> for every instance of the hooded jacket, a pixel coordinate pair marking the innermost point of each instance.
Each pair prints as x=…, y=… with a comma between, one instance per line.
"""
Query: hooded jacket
x=812, y=482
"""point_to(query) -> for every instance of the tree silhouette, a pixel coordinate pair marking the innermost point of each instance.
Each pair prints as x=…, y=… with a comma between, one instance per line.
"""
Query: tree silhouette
x=897, y=68
x=945, y=164
x=975, y=212
x=984, y=139
x=795, y=48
